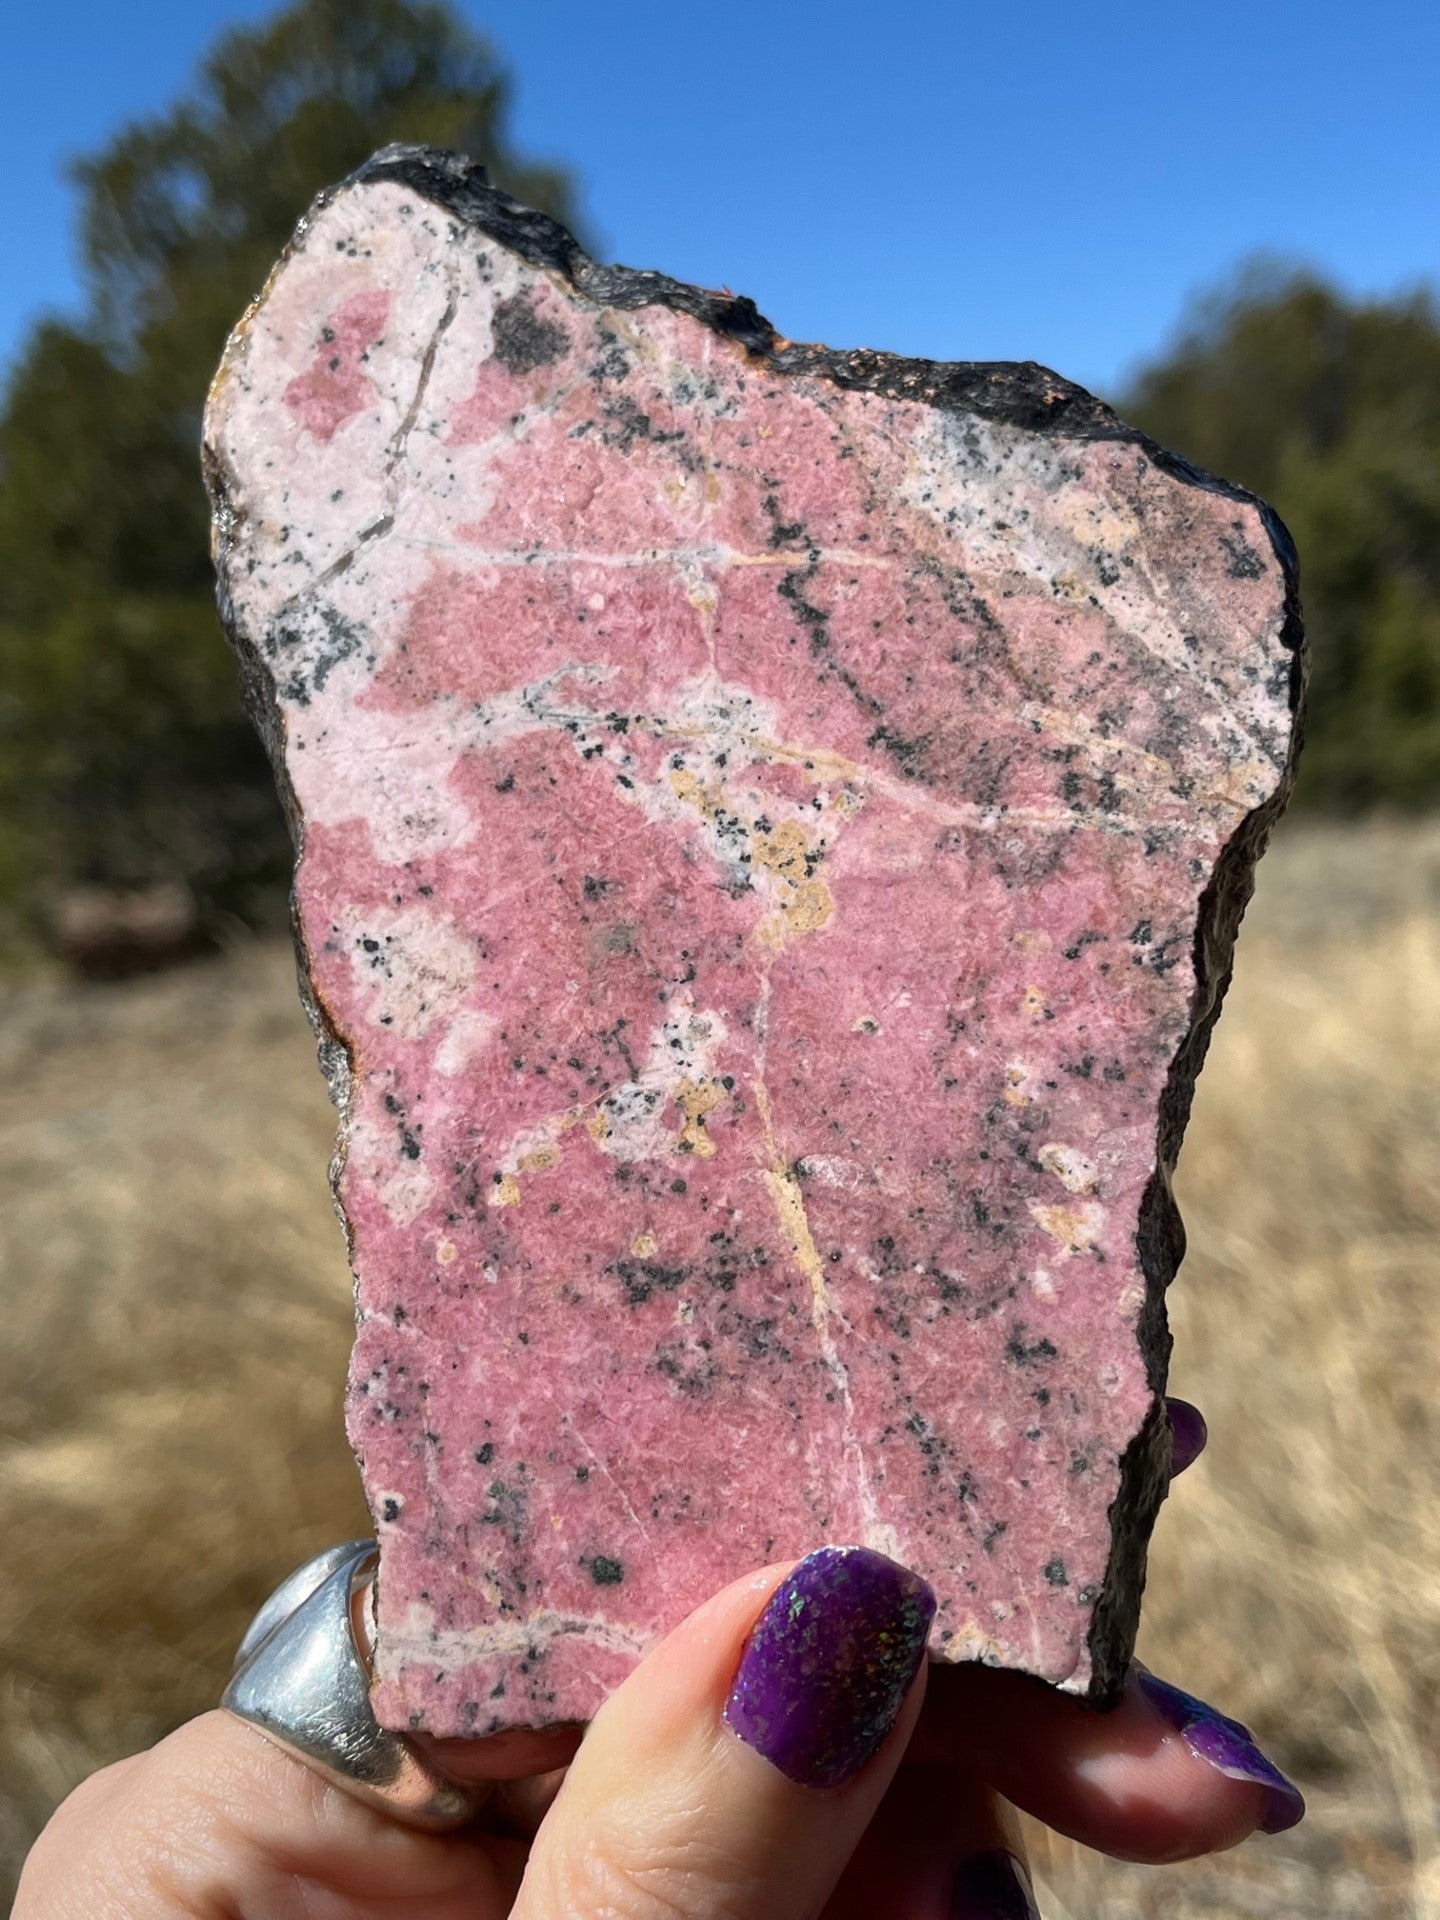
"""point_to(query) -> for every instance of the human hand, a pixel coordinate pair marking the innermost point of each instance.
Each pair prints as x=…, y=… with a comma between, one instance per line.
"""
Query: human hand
x=729, y=1776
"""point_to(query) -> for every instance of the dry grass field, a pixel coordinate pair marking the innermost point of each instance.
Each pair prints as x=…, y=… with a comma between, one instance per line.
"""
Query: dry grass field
x=176, y=1311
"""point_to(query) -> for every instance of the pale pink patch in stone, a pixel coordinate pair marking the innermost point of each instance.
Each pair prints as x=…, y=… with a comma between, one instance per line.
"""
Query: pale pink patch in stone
x=760, y=825
x=336, y=387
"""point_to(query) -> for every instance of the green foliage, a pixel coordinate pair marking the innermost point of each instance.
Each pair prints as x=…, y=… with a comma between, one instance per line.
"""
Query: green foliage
x=1330, y=409
x=123, y=752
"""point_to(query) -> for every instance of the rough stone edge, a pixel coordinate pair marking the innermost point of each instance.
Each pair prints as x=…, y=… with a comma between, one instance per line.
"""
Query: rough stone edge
x=1160, y=1231
x=259, y=695
x=1019, y=394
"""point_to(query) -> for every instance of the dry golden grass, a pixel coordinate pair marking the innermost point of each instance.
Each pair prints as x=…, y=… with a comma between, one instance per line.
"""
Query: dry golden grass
x=1296, y=1572
x=177, y=1318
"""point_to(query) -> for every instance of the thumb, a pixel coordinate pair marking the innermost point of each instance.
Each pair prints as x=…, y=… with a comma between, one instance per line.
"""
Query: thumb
x=736, y=1769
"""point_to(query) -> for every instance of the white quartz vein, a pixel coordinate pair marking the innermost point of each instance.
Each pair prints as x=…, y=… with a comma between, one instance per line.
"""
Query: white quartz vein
x=712, y=555
x=450, y=1650
x=455, y=730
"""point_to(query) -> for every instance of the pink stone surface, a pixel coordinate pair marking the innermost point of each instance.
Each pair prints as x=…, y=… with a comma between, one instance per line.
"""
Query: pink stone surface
x=772, y=827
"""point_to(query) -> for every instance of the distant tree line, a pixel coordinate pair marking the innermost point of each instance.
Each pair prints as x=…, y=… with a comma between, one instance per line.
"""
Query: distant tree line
x=1330, y=409
x=124, y=757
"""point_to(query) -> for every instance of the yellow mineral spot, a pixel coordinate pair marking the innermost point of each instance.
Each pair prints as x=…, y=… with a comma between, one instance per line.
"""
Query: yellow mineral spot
x=782, y=850
x=446, y=1252
x=696, y=1098
x=597, y=1126
x=1016, y=1074
x=686, y=787
x=505, y=1192
x=811, y=908
x=794, y=1222
x=537, y=1160
x=1075, y=1229
x=1069, y=1166
x=1033, y=1002
x=643, y=1245
x=1029, y=940
x=804, y=903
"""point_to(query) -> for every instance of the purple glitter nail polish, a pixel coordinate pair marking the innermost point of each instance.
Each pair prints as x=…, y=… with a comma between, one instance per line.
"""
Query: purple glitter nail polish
x=1227, y=1746
x=829, y=1664
x=1188, y=1434
x=992, y=1886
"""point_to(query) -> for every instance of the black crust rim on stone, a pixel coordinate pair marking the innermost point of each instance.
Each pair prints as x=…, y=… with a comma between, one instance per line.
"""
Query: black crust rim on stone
x=1017, y=393
x=1020, y=394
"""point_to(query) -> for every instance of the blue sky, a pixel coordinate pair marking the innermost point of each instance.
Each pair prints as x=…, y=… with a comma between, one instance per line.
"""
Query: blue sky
x=963, y=180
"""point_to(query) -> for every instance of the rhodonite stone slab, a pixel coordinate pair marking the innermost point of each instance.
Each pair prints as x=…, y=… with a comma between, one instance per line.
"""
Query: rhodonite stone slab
x=772, y=826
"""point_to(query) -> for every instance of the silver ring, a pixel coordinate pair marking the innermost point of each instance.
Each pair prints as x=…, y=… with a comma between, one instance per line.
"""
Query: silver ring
x=301, y=1680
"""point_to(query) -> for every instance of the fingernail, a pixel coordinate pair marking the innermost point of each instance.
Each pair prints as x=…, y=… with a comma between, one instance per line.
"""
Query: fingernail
x=1228, y=1747
x=827, y=1668
x=1188, y=1434
x=992, y=1886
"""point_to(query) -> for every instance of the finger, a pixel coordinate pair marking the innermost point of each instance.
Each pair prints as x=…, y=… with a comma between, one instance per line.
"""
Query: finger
x=941, y=1847
x=737, y=1767
x=1188, y=1434
x=1162, y=1777
x=218, y=1819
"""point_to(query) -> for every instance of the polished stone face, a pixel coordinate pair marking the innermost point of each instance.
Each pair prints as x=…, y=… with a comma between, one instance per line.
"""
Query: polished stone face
x=755, y=837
